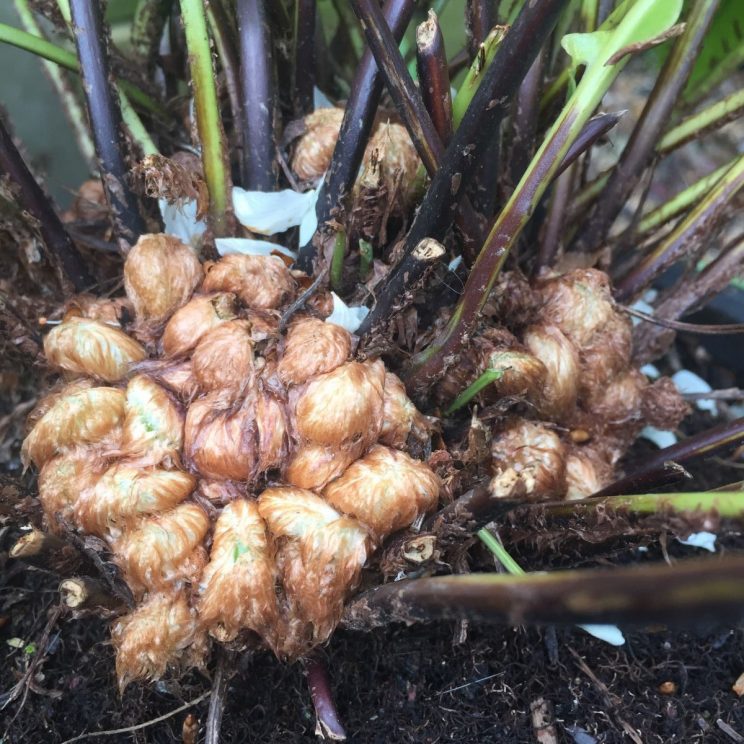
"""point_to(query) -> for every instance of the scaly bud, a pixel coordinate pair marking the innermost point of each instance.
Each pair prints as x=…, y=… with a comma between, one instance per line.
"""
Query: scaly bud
x=344, y=405
x=261, y=282
x=63, y=479
x=557, y=399
x=322, y=555
x=125, y=493
x=385, y=490
x=82, y=417
x=314, y=149
x=165, y=549
x=112, y=311
x=160, y=275
x=536, y=454
x=220, y=443
x=223, y=361
x=311, y=348
x=313, y=465
x=238, y=585
x=400, y=417
x=188, y=324
x=93, y=348
x=153, y=424
x=161, y=632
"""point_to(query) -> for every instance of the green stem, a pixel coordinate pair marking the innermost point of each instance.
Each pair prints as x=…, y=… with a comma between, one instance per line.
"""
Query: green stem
x=475, y=74
x=74, y=110
x=713, y=117
x=680, y=202
x=688, y=234
x=209, y=123
x=366, y=258
x=337, y=261
x=45, y=49
x=487, y=378
x=500, y=552
x=728, y=504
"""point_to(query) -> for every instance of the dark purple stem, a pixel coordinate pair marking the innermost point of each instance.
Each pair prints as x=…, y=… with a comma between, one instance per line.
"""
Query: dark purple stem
x=431, y=61
x=257, y=94
x=304, y=79
x=657, y=469
x=328, y=726
x=34, y=201
x=355, y=127
x=515, y=55
x=479, y=20
x=105, y=119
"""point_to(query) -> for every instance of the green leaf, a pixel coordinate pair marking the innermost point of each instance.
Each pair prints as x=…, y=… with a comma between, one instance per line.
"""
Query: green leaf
x=586, y=49
x=29, y=649
x=722, y=51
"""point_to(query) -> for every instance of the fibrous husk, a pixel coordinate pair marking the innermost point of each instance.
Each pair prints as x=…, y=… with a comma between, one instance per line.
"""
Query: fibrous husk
x=153, y=424
x=237, y=588
x=261, y=282
x=400, y=417
x=536, y=454
x=114, y=311
x=164, y=550
x=162, y=632
x=312, y=347
x=93, y=348
x=81, y=417
x=314, y=149
x=197, y=317
x=160, y=275
x=126, y=493
x=386, y=490
x=321, y=555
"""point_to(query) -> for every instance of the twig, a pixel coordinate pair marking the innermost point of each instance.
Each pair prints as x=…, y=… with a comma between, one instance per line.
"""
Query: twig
x=35, y=202
x=140, y=726
x=328, y=725
x=720, y=329
x=355, y=128
x=105, y=118
x=256, y=84
x=299, y=303
x=220, y=683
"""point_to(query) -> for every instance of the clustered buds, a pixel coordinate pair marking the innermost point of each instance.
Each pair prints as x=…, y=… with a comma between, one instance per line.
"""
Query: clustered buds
x=390, y=160
x=241, y=475
x=573, y=366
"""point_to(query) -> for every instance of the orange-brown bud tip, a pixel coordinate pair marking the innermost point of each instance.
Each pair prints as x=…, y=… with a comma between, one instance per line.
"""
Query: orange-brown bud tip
x=197, y=317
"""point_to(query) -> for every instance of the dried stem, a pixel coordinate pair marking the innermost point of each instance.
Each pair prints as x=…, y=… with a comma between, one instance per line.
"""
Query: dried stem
x=696, y=589
x=513, y=58
x=355, y=127
x=84, y=592
x=208, y=120
x=304, y=57
x=257, y=89
x=35, y=544
x=328, y=725
x=220, y=682
x=433, y=72
x=105, y=119
x=37, y=203
x=640, y=148
x=655, y=470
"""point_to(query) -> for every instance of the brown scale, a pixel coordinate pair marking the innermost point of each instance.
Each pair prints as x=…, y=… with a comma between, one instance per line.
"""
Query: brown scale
x=241, y=476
